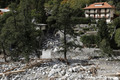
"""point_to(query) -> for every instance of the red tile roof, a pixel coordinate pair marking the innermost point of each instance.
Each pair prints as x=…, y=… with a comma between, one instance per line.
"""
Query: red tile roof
x=1, y=13
x=104, y=5
x=7, y=8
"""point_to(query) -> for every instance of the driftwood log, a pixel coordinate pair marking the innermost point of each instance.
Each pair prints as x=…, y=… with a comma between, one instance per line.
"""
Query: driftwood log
x=28, y=66
x=10, y=69
x=11, y=72
x=114, y=74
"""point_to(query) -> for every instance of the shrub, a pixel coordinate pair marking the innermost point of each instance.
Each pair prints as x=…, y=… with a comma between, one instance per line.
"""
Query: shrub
x=117, y=37
x=89, y=40
x=81, y=32
x=86, y=29
x=105, y=48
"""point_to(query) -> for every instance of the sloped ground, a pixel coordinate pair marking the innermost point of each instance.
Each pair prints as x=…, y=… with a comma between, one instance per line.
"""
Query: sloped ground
x=81, y=67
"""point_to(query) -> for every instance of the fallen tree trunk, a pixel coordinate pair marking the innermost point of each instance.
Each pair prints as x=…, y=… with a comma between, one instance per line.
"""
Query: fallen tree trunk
x=114, y=74
x=37, y=63
x=10, y=69
x=11, y=72
x=30, y=65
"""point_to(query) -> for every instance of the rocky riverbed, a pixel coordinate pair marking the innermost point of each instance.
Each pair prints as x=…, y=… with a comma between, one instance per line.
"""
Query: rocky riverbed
x=81, y=65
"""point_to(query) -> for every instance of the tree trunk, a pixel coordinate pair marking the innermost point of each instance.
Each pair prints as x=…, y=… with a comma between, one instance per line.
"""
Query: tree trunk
x=40, y=42
x=65, y=47
x=4, y=52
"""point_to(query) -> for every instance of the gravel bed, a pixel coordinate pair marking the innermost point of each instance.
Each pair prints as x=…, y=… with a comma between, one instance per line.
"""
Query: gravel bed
x=80, y=68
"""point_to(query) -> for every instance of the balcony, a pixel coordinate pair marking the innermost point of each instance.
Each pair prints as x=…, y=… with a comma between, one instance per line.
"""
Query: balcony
x=97, y=12
x=100, y=17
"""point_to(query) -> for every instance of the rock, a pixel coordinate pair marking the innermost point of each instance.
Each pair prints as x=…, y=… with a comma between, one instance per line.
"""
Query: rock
x=116, y=78
x=112, y=78
x=63, y=78
x=33, y=72
x=36, y=75
x=55, y=66
x=43, y=73
x=16, y=77
x=63, y=72
x=53, y=71
x=74, y=69
x=81, y=77
x=70, y=70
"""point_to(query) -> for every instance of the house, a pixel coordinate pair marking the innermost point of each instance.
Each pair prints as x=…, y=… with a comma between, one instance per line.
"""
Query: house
x=2, y=11
x=99, y=11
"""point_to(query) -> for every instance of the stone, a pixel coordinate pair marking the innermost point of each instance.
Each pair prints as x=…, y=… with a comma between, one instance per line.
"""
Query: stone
x=33, y=72
x=116, y=78
x=46, y=53
x=51, y=73
x=16, y=77
x=70, y=70
x=81, y=77
x=74, y=69
x=55, y=66
x=63, y=72
x=63, y=78
x=44, y=73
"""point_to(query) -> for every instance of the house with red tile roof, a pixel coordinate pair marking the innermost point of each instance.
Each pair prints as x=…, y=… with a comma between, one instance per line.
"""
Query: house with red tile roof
x=99, y=11
x=2, y=11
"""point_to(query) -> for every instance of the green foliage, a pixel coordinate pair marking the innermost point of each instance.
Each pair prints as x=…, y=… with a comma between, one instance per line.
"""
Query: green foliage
x=118, y=6
x=64, y=18
x=38, y=11
x=102, y=30
x=78, y=3
x=89, y=40
x=104, y=38
x=116, y=22
x=18, y=33
x=117, y=37
x=86, y=29
x=81, y=32
x=105, y=48
x=80, y=20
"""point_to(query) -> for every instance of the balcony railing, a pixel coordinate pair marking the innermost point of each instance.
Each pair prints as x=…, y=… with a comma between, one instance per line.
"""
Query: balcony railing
x=100, y=17
x=97, y=12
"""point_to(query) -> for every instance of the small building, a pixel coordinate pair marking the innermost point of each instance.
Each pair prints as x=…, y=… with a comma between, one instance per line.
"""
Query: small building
x=2, y=11
x=41, y=26
x=99, y=11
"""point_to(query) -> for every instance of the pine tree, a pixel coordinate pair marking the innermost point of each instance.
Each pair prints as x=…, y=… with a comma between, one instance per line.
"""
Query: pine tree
x=104, y=38
x=2, y=35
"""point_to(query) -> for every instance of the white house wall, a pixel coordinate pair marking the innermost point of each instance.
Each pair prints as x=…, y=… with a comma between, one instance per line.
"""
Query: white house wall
x=102, y=10
x=109, y=14
x=108, y=20
x=102, y=15
x=112, y=12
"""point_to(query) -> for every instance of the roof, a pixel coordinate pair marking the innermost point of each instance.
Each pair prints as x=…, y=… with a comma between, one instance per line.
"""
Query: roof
x=99, y=5
x=3, y=10
x=1, y=13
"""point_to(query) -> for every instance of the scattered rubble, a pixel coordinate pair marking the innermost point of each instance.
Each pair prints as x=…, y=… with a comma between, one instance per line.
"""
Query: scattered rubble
x=57, y=69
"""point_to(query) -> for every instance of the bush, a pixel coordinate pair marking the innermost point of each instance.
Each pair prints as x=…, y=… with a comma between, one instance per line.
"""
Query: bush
x=105, y=48
x=86, y=29
x=81, y=32
x=89, y=40
x=117, y=37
